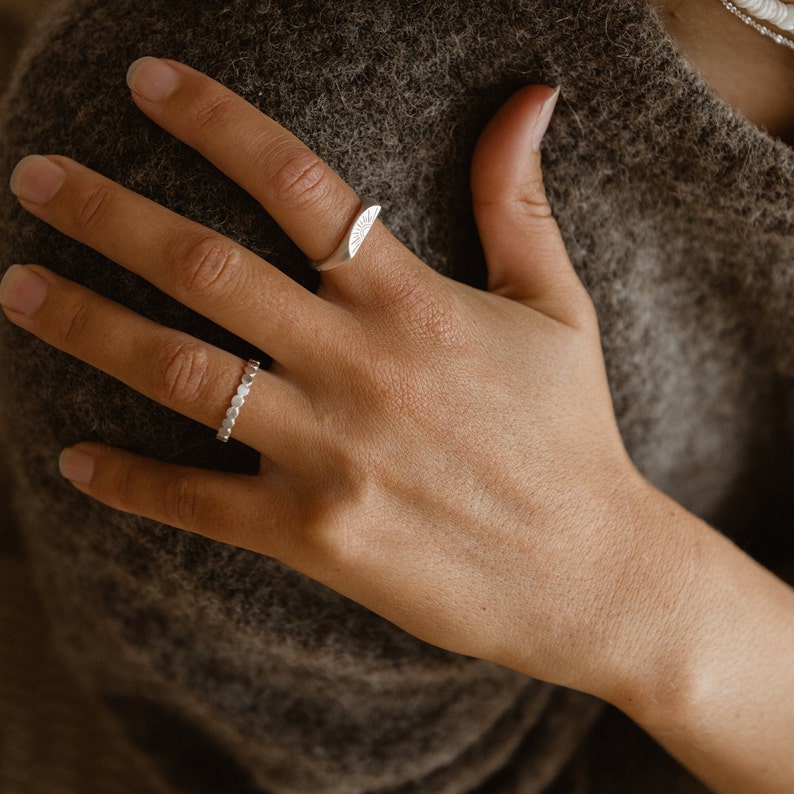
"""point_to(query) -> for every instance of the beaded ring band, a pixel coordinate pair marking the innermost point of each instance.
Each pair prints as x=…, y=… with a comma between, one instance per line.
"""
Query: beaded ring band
x=225, y=430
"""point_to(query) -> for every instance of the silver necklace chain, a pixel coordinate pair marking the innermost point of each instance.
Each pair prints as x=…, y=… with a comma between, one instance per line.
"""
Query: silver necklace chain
x=778, y=38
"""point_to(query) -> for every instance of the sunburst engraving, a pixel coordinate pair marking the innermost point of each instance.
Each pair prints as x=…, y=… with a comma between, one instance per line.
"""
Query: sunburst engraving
x=361, y=228
x=354, y=237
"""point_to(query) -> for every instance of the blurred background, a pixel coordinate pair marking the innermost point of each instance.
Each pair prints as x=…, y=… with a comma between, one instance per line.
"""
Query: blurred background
x=16, y=18
x=53, y=738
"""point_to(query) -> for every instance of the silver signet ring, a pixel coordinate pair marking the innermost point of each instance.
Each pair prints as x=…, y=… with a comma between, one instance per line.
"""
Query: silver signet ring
x=353, y=238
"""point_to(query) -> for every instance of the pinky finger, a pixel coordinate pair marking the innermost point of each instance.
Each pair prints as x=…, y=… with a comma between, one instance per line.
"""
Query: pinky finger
x=232, y=508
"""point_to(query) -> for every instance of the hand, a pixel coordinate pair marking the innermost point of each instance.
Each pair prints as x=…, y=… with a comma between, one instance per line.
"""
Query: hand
x=447, y=457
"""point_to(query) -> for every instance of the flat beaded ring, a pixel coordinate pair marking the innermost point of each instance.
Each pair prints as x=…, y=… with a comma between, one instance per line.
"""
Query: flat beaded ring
x=225, y=431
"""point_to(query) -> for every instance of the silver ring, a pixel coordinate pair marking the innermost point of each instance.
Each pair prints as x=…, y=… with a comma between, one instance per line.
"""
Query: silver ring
x=354, y=237
x=225, y=430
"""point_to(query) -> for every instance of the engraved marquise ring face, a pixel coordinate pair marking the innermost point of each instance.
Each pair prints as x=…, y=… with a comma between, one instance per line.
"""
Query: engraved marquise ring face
x=354, y=237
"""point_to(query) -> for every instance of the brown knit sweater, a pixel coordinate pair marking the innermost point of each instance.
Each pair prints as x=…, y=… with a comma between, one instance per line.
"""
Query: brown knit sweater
x=234, y=672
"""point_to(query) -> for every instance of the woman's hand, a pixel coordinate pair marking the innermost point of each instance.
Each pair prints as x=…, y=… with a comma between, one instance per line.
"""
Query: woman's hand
x=447, y=457
x=419, y=438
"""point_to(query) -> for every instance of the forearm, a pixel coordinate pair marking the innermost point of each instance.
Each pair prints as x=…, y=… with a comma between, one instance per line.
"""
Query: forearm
x=715, y=667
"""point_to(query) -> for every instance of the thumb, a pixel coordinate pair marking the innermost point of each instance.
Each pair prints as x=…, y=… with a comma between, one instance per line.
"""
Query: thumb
x=526, y=256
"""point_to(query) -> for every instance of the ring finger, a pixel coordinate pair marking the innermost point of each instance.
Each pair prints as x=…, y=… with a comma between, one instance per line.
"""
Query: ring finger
x=181, y=372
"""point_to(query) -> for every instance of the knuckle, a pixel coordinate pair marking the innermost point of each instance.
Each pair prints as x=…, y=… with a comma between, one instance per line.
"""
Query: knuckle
x=438, y=323
x=584, y=310
x=326, y=524
x=76, y=321
x=212, y=111
x=180, y=497
x=205, y=262
x=534, y=202
x=430, y=315
x=124, y=487
x=301, y=180
x=182, y=366
x=91, y=206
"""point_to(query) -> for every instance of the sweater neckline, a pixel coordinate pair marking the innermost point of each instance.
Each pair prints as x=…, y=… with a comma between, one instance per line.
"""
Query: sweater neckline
x=674, y=44
x=738, y=168
x=684, y=66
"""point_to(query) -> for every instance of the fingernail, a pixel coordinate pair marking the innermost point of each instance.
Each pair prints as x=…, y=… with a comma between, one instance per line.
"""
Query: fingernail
x=22, y=290
x=77, y=466
x=37, y=179
x=152, y=79
x=543, y=119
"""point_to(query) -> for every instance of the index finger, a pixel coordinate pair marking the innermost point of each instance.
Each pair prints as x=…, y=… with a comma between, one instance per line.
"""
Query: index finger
x=306, y=197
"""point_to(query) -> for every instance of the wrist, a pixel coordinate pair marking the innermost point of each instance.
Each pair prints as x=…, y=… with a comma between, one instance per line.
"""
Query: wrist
x=633, y=583
x=653, y=602
x=659, y=607
x=710, y=678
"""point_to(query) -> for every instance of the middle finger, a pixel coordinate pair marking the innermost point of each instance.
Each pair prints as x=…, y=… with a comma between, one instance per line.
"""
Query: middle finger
x=302, y=193
x=310, y=202
x=198, y=267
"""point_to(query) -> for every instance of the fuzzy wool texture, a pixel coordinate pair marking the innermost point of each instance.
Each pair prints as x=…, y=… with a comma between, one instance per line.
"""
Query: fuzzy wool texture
x=234, y=672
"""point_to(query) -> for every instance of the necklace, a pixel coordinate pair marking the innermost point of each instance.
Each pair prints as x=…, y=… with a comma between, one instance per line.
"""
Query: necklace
x=774, y=11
